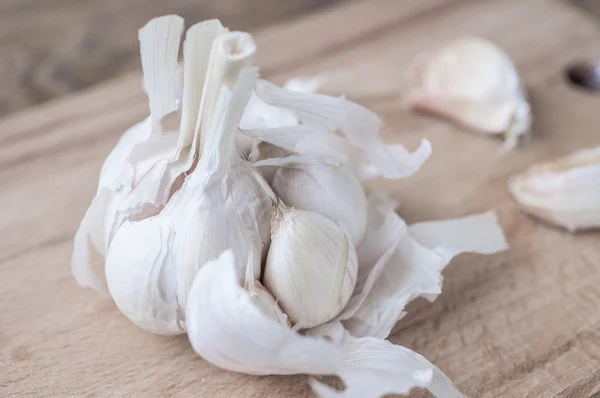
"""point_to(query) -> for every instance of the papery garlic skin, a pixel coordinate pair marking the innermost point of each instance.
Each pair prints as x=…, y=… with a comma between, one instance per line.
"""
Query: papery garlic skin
x=267, y=304
x=473, y=82
x=334, y=192
x=565, y=192
x=311, y=266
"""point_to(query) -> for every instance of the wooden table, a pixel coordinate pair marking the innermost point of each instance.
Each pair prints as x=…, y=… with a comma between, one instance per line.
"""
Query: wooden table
x=521, y=323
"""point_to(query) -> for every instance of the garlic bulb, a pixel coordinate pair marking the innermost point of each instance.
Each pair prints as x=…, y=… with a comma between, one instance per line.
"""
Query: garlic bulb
x=565, y=192
x=334, y=192
x=473, y=82
x=186, y=223
x=222, y=204
x=311, y=266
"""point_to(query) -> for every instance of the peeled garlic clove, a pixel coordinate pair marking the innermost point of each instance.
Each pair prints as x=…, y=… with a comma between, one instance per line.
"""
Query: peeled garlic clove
x=565, y=192
x=311, y=266
x=473, y=82
x=334, y=192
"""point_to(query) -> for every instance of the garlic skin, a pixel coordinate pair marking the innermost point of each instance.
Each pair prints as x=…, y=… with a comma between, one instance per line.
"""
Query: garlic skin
x=334, y=192
x=311, y=266
x=564, y=192
x=267, y=304
x=474, y=83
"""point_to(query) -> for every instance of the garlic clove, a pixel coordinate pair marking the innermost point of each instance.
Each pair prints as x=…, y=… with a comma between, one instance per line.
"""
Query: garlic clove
x=474, y=83
x=311, y=266
x=415, y=265
x=227, y=329
x=140, y=274
x=565, y=192
x=334, y=192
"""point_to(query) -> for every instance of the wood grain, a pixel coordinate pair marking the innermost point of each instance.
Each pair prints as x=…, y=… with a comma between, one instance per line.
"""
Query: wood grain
x=524, y=323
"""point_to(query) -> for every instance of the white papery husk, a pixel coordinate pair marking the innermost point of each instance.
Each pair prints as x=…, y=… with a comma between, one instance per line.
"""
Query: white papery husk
x=147, y=164
x=474, y=83
x=222, y=204
x=332, y=129
x=564, y=192
x=396, y=264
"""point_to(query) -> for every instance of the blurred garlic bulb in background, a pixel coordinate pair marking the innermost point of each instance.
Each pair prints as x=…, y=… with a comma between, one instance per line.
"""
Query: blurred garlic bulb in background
x=333, y=191
x=311, y=266
x=474, y=83
x=564, y=192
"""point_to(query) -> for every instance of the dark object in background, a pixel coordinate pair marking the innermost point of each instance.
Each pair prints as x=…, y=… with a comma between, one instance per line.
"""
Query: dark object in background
x=585, y=75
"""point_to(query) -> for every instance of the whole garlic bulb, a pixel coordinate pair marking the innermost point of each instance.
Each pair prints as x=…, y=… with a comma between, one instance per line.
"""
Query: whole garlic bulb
x=565, y=192
x=311, y=266
x=333, y=191
x=473, y=82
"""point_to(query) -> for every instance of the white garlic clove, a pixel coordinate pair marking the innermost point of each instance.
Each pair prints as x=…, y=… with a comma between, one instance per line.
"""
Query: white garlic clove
x=311, y=266
x=474, y=83
x=334, y=192
x=565, y=192
x=227, y=329
x=141, y=276
x=415, y=265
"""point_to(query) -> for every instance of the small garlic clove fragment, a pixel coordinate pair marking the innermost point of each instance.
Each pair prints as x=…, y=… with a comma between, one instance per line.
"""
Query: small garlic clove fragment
x=565, y=192
x=419, y=254
x=334, y=192
x=474, y=83
x=311, y=266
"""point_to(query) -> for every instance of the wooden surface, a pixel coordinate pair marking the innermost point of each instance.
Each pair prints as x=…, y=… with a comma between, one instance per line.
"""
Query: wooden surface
x=524, y=323
x=49, y=48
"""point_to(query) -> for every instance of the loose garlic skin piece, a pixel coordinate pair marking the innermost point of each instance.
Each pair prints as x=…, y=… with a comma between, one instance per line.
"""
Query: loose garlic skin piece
x=334, y=192
x=474, y=83
x=565, y=192
x=311, y=266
